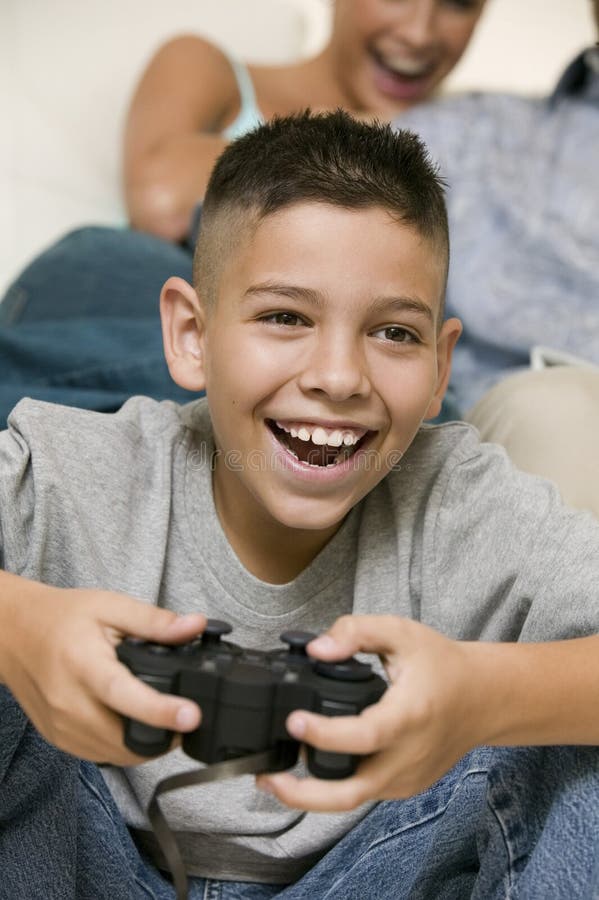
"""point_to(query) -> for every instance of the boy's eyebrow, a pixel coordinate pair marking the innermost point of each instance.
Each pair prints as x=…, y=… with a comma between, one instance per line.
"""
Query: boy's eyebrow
x=291, y=291
x=314, y=298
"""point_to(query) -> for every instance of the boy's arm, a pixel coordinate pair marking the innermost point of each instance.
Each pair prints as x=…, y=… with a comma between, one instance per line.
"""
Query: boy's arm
x=57, y=656
x=445, y=698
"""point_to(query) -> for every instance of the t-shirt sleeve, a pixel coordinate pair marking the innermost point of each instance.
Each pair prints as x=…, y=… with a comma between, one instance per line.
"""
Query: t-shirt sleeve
x=16, y=497
x=512, y=561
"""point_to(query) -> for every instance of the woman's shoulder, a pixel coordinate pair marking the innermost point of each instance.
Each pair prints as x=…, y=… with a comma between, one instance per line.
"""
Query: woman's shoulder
x=192, y=62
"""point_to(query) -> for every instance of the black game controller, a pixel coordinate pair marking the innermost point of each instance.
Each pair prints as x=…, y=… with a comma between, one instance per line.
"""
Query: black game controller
x=246, y=695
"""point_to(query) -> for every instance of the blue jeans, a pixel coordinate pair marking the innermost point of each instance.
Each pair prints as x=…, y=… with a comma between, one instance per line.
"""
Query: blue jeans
x=504, y=823
x=81, y=326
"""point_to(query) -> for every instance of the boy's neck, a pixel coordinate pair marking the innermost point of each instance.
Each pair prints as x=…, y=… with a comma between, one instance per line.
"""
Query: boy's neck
x=269, y=551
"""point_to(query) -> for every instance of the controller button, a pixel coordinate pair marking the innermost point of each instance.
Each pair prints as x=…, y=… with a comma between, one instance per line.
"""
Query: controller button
x=335, y=708
x=188, y=649
x=297, y=641
x=134, y=642
x=158, y=682
x=159, y=649
x=344, y=670
x=214, y=631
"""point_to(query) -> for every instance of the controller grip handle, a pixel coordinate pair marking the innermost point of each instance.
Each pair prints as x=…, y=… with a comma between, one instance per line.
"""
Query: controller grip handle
x=147, y=740
x=328, y=765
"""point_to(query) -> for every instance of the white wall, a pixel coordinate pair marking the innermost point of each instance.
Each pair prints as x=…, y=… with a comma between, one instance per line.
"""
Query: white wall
x=523, y=45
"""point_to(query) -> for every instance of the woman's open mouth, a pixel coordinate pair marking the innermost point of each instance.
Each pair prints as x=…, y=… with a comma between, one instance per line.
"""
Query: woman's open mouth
x=401, y=79
x=317, y=446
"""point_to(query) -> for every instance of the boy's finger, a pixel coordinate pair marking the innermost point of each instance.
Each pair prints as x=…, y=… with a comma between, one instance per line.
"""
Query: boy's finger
x=128, y=695
x=316, y=795
x=363, y=734
x=139, y=619
x=352, y=634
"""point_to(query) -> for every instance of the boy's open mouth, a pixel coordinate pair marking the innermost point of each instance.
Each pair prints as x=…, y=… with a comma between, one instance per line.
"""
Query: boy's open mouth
x=318, y=446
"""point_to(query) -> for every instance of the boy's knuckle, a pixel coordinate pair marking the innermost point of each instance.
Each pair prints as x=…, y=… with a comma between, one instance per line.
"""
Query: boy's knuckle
x=111, y=688
x=371, y=738
x=355, y=795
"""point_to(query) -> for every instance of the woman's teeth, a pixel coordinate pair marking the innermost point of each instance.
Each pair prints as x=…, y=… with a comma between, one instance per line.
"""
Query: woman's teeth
x=406, y=68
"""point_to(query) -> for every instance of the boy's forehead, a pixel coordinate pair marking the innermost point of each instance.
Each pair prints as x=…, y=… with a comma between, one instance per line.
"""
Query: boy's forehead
x=315, y=240
x=312, y=221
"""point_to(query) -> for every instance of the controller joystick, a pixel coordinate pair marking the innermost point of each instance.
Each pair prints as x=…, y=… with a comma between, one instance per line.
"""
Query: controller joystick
x=214, y=631
x=246, y=695
x=297, y=641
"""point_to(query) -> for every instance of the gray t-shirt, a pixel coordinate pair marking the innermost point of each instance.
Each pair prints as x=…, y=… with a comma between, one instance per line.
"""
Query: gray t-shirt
x=455, y=537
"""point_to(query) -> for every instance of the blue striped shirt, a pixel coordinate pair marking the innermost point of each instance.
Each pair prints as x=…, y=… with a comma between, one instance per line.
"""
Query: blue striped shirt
x=523, y=202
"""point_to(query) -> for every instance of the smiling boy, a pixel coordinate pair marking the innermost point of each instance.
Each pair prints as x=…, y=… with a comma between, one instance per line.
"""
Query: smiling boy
x=321, y=337
x=304, y=489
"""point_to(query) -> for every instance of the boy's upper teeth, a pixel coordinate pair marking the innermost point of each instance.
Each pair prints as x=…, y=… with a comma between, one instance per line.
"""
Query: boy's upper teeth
x=332, y=437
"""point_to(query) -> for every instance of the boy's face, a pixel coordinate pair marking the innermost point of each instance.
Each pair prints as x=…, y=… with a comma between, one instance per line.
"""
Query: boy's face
x=320, y=359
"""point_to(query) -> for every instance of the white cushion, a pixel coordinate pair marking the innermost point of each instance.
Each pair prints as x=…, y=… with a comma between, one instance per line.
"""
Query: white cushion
x=71, y=67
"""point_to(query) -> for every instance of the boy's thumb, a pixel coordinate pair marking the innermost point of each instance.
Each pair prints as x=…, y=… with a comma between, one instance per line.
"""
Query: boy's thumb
x=135, y=618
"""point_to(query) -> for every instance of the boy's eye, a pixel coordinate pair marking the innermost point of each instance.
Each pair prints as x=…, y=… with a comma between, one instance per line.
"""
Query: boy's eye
x=283, y=318
x=396, y=334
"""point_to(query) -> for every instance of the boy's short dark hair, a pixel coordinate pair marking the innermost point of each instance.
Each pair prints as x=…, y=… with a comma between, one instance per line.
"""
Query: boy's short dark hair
x=321, y=158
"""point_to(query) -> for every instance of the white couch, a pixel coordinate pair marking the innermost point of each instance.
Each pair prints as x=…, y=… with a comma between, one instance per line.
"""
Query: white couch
x=70, y=67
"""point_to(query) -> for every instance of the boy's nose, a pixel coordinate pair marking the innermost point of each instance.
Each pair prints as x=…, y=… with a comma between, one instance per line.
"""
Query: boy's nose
x=337, y=369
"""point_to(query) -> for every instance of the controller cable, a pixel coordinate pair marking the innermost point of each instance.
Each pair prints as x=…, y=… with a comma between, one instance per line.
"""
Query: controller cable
x=254, y=764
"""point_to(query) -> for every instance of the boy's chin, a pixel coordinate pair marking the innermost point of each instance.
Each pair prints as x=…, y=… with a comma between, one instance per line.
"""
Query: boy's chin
x=311, y=518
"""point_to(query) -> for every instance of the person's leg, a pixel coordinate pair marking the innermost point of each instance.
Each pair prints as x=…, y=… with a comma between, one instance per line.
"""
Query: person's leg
x=95, y=272
x=413, y=849
x=517, y=823
x=543, y=811
x=81, y=325
x=62, y=836
x=91, y=363
x=38, y=812
x=547, y=421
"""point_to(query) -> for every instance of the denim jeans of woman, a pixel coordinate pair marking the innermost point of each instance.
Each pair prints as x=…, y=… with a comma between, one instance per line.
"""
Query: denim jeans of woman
x=518, y=823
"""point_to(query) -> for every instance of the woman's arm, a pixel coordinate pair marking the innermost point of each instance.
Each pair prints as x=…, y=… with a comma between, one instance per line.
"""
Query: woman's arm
x=185, y=96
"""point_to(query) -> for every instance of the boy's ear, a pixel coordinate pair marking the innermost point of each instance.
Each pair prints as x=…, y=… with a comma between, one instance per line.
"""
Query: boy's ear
x=183, y=326
x=448, y=336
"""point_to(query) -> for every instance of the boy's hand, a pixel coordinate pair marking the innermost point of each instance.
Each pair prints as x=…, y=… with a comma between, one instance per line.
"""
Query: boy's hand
x=430, y=716
x=58, y=659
